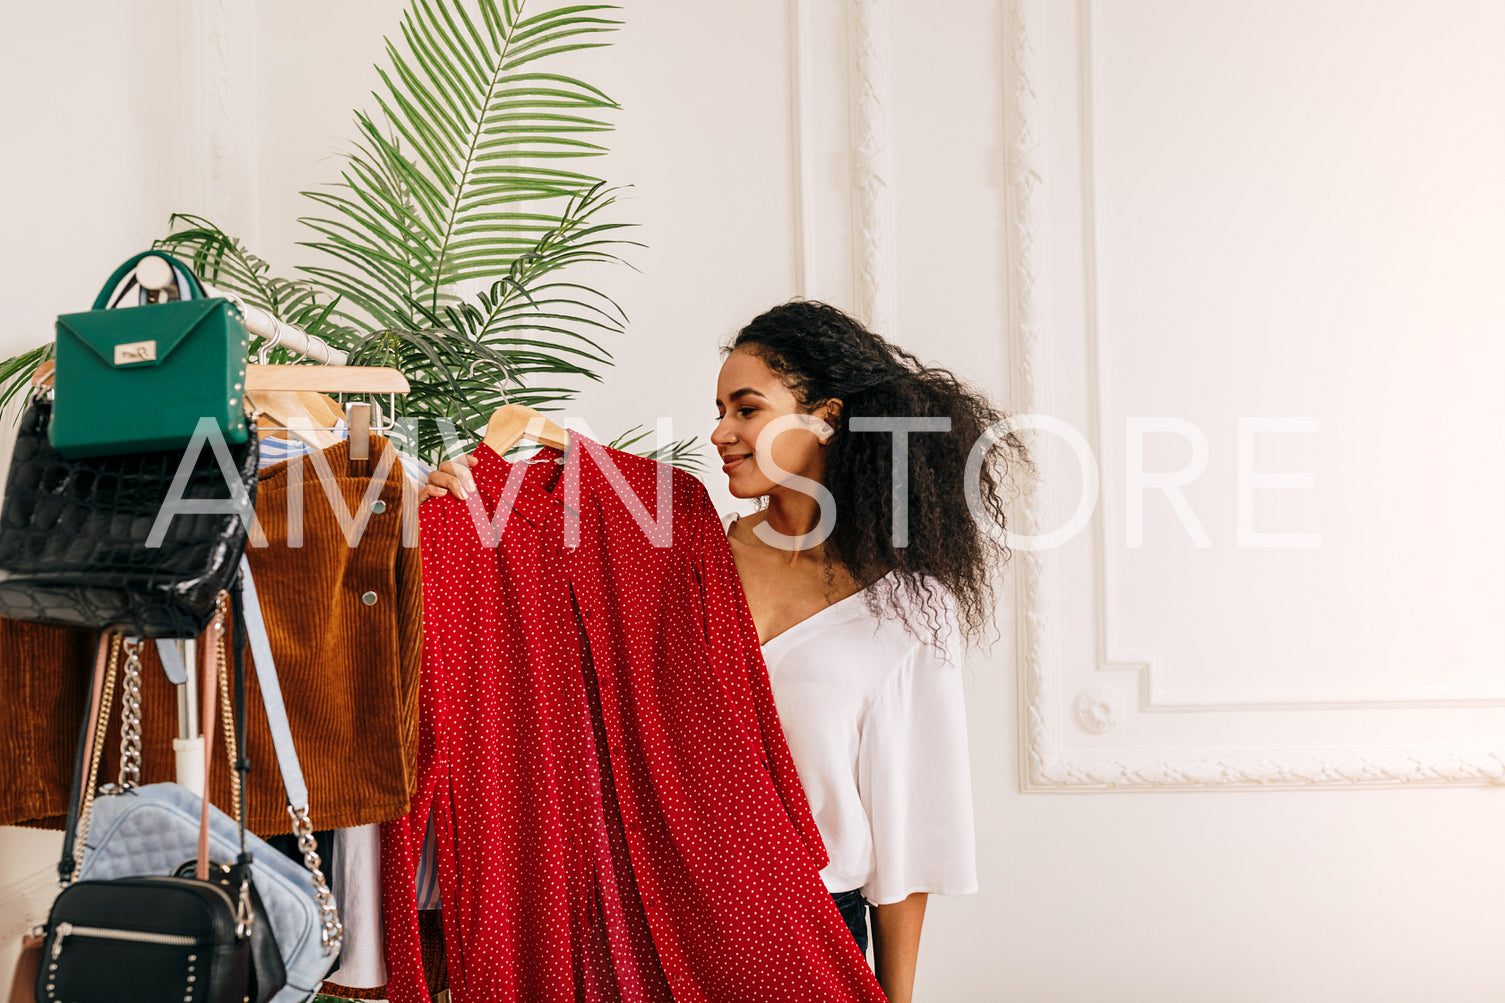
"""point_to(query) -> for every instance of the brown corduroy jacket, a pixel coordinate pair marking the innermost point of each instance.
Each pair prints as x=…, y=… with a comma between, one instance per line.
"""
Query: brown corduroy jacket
x=345, y=626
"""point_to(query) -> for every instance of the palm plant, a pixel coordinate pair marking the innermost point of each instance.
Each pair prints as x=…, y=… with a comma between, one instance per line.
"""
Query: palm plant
x=443, y=250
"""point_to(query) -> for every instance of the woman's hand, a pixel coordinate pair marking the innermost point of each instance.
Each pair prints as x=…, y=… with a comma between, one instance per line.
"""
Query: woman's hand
x=451, y=476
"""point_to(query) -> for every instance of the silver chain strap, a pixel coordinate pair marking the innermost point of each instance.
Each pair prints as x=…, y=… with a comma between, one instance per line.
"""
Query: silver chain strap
x=130, y=717
x=334, y=930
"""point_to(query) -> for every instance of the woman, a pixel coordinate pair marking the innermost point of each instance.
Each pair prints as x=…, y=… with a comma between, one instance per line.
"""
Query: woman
x=861, y=614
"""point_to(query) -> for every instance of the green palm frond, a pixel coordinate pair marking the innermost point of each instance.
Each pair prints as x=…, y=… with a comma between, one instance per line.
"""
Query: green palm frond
x=450, y=188
x=455, y=382
x=15, y=373
x=683, y=453
x=525, y=308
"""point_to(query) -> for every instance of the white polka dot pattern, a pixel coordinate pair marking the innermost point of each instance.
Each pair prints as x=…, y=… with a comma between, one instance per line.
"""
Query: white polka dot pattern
x=617, y=816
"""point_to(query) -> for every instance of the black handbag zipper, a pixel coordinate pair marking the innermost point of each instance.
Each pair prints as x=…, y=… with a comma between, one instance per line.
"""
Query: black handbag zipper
x=65, y=930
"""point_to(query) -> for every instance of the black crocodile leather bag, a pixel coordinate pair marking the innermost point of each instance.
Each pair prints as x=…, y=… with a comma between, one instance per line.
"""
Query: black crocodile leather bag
x=76, y=535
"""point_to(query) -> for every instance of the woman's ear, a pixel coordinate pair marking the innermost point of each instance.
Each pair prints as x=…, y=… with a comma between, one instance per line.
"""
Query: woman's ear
x=830, y=413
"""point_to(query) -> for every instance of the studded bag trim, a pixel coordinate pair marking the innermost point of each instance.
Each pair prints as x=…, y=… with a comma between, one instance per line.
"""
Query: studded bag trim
x=134, y=939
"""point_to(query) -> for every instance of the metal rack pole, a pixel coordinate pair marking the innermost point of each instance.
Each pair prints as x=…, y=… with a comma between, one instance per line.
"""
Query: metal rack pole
x=279, y=332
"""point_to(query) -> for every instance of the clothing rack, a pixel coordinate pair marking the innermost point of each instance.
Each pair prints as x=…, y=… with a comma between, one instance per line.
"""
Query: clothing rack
x=279, y=332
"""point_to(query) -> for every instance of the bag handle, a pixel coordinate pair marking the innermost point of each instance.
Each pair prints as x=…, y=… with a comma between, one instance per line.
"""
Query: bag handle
x=212, y=662
x=240, y=767
x=194, y=291
x=271, y=696
x=287, y=757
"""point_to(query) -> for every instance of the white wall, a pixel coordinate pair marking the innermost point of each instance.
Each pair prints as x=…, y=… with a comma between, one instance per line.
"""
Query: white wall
x=1251, y=209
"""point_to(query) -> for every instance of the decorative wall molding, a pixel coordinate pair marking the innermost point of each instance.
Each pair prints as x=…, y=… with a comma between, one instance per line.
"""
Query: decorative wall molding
x=1045, y=765
x=801, y=116
x=873, y=233
x=1026, y=210
x=217, y=157
x=203, y=117
x=1154, y=695
x=1155, y=699
x=1283, y=770
x=1098, y=709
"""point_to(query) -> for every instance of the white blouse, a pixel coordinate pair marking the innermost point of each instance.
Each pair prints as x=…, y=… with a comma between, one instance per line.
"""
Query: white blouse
x=875, y=721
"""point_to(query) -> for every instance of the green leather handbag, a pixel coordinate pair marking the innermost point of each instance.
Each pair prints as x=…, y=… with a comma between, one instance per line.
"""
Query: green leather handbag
x=138, y=379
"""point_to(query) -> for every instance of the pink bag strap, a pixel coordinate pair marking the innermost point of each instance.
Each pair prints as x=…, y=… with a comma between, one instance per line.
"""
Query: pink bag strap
x=101, y=656
x=209, y=643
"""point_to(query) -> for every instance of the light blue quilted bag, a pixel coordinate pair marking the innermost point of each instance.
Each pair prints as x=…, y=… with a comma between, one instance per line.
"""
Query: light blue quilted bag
x=153, y=829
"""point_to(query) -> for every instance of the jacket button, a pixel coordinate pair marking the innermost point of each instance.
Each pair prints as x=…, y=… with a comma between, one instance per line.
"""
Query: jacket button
x=369, y=598
x=378, y=507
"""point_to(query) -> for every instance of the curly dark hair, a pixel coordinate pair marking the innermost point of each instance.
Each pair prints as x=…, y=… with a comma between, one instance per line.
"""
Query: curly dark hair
x=823, y=354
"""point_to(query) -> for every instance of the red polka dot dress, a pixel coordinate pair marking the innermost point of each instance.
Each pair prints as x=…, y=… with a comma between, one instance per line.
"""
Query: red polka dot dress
x=615, y=810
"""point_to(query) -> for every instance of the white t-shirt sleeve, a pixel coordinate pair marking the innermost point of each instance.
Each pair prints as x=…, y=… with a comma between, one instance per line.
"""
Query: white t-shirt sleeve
x=915, y=782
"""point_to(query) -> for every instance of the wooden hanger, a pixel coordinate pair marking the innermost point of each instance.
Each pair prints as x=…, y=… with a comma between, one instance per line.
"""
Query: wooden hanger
x=512, y=423
x=291, y=411
x=289, y=397
x=329, y=379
